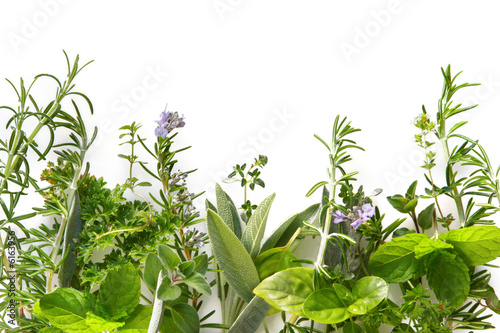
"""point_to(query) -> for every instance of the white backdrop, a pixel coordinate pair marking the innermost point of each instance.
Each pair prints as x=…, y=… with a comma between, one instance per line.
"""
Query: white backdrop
x=262, y=77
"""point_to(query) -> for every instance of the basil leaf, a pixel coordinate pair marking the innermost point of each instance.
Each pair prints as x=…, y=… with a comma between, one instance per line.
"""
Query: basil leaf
x=329, y=306
x=287, y=290
x=427, y=246
x=138, y=321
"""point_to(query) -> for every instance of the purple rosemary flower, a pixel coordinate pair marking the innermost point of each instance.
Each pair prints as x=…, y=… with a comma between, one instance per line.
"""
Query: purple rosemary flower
x=355, y=217
x=168, y=122
x=339, y=216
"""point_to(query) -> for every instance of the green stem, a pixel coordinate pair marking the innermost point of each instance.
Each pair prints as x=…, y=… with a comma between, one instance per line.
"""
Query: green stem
x=456, y=195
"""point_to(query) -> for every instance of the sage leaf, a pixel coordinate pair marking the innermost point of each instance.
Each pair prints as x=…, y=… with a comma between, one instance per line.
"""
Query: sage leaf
x=282, y=234
x=254, y=231
x=287, y=290
x=426, y=217
x=232, y=257
x=395, y=261
x=168, y=257
x=274, y=260
x=66, y=309
x=120, y=292
x=448, y=277
x=227, y=211
x=476, y=245
x=252, y=316
x=329, y=306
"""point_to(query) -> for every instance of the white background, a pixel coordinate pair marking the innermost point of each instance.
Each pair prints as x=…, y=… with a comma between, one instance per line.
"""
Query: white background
x=262, y=77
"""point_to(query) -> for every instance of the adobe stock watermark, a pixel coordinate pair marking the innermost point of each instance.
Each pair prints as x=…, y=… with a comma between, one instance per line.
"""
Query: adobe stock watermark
x=365, y=34
x=124, y=105
x=223, y=7
x=32, y=25
x=253, y=145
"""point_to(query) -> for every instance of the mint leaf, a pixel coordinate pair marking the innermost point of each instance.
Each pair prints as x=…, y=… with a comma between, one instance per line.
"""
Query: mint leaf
x=66, y=309
x=395, y=261
x=476, y=245
x=427, y=246
x=448, y=277
x=120, y=292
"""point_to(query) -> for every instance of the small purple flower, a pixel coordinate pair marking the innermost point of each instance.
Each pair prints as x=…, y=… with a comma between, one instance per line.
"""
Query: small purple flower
x=356, y=217
x=339, y=216
x=168, y=122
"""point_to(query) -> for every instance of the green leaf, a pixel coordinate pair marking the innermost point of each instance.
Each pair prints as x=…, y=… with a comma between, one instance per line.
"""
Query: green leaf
x=187, y=267
x=399, y=203
x=233, y=258
x=98, y=324
x=186, y=317
x=152, y=269
x=410, y=206
x=120, y=292
x=287, y=290
x=329, y=306
x=274, y=260
x=427, y=246
x=251, y=317
x=198, y=282
x=167, y=292
x=410, y=193
x=426, y=217
x=254, y=231
x=315, y=187
x=138, y=321
x=281, y=235
x=66, y=309
x=71, y=237
x=368, y=292
x=201, y=263
x=51, y=329
x=395, y=261
x=209, y=205
x=476, y=245
x=448, y=277
x=351, y=328
x=168, y=257
x=227, y=211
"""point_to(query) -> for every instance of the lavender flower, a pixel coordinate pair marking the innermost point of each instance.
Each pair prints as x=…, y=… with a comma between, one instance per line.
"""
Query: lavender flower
x=168, y=122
